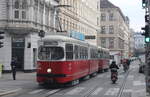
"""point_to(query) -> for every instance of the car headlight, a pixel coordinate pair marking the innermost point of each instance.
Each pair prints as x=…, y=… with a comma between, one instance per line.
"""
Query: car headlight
x=49, y=70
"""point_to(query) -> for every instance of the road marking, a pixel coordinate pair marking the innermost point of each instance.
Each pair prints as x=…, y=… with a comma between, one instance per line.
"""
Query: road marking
x=120, y=76
x=138, y=83
x=127, y=90
x=75, y=91
x=9, y=91
x=131, y=77
x=51, y=92
x=97, y=91
x=100, y=76
x=112, y=91
x=36, y=91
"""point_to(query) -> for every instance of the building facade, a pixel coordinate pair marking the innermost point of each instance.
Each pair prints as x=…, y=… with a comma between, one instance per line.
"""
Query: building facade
x=132, y=43
x=115, y=32
x=21, y=20
x=139, y=41
x=82, y=16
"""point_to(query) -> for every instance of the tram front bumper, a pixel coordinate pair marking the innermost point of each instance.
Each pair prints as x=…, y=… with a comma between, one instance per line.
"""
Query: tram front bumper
x=51, y=75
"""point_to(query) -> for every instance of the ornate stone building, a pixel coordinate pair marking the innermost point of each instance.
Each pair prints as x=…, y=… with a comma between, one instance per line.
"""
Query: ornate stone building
x=82, y=16
x=21, y=20
x=115, y=31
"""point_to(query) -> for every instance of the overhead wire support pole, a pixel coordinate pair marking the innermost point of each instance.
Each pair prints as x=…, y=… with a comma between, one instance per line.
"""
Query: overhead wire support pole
x=56, y=11
x=146, y=6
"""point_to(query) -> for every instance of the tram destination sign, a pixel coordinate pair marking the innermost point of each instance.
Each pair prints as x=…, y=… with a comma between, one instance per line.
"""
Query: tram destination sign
x=50, y=43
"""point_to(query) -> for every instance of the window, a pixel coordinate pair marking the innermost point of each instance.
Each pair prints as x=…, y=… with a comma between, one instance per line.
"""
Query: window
x=16, y=14
x=51, y=53
x=23, y=15
x=17, y=4
x=111, y=17
x=103, y=42
x=89, y=37
x=76, y=51
x=69, y=51
x=100, y=54
x=103, y=30
x=111, y=43
x=111, y=29
x=103, y=17
x=93, y=53
x=24, y=4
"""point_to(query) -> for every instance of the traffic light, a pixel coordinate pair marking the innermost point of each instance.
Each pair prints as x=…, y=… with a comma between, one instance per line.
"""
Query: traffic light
x=144, y=3
x=146, y=33
x=147, y=18
x=147, y=39
x=146, y=30
x=42, y=33
x=1, y=37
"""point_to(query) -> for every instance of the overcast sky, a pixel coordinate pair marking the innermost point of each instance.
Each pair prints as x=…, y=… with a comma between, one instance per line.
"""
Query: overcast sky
x=132, y=9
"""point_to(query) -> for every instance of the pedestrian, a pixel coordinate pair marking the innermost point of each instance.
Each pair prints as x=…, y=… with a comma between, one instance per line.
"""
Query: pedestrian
x=13, y=67
x=128, y=63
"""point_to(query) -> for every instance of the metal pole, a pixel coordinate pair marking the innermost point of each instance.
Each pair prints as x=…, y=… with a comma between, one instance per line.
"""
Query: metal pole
x=56, y=8
x=54, y=19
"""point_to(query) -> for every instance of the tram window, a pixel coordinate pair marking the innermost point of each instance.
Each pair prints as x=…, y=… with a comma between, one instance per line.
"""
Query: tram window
x=93, y=53
x=69, y=51
x=51, y=53
x=111, y=56
x=76, y=51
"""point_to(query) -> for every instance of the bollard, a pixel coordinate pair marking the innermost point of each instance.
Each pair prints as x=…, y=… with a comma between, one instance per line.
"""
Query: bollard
x=1, y=66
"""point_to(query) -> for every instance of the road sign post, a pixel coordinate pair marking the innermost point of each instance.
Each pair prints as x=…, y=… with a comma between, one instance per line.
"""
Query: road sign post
x=1, y=68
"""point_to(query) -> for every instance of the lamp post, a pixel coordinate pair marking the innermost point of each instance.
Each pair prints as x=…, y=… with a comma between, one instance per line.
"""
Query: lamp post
x=56, y=14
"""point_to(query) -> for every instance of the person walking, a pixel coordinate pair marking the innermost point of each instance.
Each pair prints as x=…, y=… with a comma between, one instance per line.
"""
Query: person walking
x=13, y=67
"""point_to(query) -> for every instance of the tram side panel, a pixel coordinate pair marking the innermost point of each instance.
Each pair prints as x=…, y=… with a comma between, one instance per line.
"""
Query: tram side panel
x=100, y=65
x=105, y=64
x=93, y=66
x=63, y=71
x=93, y=60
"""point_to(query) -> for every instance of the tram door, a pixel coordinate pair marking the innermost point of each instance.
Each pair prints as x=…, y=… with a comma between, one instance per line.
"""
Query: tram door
x=18, y=45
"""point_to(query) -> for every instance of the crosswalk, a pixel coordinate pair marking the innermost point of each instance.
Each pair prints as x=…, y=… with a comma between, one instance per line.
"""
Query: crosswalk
x=80, y=91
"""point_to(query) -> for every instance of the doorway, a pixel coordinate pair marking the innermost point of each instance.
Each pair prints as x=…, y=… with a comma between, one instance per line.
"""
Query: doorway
x=18, y=46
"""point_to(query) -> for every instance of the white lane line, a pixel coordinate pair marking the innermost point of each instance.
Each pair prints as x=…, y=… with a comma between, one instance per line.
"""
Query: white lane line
x=112, y=91
x=100, y=76
x=128, y=90
x=97, y=91
x=53, y=91
x=120, y=76
x=131, y=77
x=36, y=91
x=138, y=83
x=75, y=91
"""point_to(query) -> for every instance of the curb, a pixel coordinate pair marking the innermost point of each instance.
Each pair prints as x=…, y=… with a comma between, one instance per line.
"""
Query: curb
x=10, y=92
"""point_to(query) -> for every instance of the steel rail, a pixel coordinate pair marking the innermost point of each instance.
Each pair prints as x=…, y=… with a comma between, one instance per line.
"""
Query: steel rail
x=123, y=85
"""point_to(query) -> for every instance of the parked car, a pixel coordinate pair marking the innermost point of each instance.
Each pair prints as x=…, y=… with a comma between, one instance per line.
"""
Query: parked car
x=142, y=68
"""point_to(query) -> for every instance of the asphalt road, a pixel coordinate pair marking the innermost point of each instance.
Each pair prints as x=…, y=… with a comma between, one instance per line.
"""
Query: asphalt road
x=129, y=84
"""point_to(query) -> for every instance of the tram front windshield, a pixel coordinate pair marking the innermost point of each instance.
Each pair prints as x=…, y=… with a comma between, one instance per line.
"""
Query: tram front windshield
x=51, y=53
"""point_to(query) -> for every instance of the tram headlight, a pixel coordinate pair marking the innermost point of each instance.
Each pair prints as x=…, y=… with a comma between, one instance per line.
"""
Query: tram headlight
x=49, y=70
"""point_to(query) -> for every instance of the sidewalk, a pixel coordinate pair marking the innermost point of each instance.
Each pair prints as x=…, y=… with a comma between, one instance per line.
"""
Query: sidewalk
x=139, y=85
x=8, y=85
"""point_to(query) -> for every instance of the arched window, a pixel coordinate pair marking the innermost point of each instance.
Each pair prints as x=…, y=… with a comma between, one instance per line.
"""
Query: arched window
x=24, y=4
x=17, y=4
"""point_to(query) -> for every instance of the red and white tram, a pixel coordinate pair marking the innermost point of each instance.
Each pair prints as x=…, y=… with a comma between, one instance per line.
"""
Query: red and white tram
x=63, y=59
x=103, y=56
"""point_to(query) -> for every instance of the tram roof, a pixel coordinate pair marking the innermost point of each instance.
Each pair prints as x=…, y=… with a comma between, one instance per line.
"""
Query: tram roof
x=63, y=39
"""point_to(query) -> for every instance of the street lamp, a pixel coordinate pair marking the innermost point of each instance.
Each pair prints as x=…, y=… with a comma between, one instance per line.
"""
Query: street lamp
x=56, y=13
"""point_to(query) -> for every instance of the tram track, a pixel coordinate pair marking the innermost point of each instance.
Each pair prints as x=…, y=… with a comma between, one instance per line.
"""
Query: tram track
x=92, y=90
x=123, y=85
